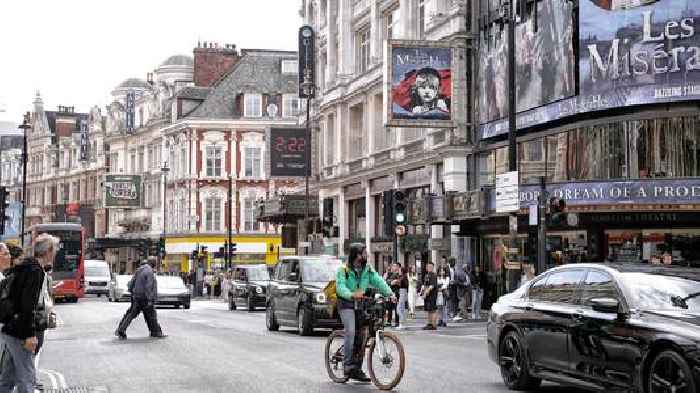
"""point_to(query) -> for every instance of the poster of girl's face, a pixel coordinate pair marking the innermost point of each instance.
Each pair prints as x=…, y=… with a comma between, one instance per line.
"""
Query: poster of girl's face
x=421, y=85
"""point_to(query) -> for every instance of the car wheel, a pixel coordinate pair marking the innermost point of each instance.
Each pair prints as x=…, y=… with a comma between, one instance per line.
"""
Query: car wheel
x=514, y=365
x=669, y=372
x=177, y=306
x=187, y=306
x=251, y=306
x=304, y=321
x=231, y=303
x=109, y=298
x=270, y=319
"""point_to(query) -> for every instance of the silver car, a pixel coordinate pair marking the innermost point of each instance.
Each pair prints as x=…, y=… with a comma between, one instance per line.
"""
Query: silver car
x=118, y=288
x=172, y=291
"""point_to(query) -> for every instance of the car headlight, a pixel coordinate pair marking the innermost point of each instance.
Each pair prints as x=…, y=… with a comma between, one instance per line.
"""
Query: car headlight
x=258, y=290
x=320, y=297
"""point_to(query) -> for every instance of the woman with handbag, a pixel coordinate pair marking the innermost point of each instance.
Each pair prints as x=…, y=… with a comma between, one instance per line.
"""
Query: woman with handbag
x=412, y=290
x=443, y=295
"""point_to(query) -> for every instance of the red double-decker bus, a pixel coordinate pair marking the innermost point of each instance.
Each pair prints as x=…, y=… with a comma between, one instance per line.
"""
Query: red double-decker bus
x=68, y=272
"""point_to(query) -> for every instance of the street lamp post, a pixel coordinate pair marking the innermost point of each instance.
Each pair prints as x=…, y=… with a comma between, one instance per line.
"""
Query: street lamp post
x=25, y=125
x=165, y=169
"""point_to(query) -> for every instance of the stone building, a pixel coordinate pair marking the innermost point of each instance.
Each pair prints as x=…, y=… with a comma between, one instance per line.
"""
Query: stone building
x=361, y=159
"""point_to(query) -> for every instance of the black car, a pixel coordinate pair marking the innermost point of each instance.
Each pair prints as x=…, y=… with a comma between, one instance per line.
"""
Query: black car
x=618, y=327
x=248, y=287
x=296, y=295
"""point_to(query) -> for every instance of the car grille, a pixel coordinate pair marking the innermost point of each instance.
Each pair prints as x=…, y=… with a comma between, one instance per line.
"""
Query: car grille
x=97, y=283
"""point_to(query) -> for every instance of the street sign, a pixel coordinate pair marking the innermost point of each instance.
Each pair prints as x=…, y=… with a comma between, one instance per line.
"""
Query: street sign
x=533, y=214
x=507, y=197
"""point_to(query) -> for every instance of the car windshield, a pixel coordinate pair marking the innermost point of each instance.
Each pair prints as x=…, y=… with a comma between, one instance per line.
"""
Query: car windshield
x=97, y=271
x=320, y=270
x=170, y=282
x=258, y=274
x=660, y=292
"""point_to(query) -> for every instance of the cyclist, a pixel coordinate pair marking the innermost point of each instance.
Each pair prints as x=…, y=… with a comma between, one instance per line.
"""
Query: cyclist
x=352, y=280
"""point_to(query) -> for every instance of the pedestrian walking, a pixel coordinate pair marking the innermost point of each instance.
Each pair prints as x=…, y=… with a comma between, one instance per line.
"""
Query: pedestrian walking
x=208, y=283
x=393, y=279
x=217, y=284
x=412, y=290
x=464, y=284
x=429, y=292
x=443, y=296
x=453, y=288
x=144, y=292
x=403, y=297
x=479, y=283
x=20, y=334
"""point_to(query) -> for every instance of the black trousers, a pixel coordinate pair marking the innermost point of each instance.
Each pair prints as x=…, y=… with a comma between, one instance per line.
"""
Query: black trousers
x=149, y=314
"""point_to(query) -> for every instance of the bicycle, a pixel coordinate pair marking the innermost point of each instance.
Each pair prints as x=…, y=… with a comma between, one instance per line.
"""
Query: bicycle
x=386, y=346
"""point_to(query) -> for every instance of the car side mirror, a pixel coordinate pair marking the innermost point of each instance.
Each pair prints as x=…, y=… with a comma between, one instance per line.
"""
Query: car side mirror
x=606, y=305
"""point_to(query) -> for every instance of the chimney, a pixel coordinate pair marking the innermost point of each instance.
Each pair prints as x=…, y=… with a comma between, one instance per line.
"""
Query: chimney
x=211, y=61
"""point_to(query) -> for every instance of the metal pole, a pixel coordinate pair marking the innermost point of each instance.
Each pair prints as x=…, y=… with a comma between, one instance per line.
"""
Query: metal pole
x=542, y=227
x=308, y=168
x=512, y=129
x=227, y=252
x=24, y=127
x=165, y=206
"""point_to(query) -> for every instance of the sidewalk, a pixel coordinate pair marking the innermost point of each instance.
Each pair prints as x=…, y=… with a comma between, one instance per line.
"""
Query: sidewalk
x=422, y=319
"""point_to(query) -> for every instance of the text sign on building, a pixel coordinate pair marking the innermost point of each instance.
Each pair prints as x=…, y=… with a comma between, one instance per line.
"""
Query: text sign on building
x=122, y=191
x=306, y=62
x=290, y=152
x=130, y=111
x=507, y=197
x=84, y=141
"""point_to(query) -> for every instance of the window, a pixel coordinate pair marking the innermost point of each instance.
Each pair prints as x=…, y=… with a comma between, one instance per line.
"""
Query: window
x=183, y=162
x=330, y=140
x=362, y=51
x=421, y=19
x=291, y=105
x=597, y=285
x=391, y=24
x=252, y=162
x=132, y=161
x=141, y=159
x=213, y=161
x=249, y=216
x=290, y=66
x=212, y=214
x=253, y=105
x=560, y=287
x=357, y=141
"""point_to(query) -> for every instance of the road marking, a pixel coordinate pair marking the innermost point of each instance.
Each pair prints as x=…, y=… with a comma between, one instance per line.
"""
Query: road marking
x=54, y=384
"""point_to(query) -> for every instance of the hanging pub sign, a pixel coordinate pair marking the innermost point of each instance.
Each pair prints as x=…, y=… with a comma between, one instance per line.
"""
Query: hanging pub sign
x=290, y=152
x=84, y=141
x=419, y=84
x=306, y=62
x=122, y=191
x=130, y=111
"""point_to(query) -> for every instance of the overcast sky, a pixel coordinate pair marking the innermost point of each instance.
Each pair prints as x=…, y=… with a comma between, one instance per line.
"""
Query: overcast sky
x=76, y=51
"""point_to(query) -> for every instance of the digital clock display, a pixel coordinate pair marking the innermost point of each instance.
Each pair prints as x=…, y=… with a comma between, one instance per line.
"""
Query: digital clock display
x=290, y=145
x=290, y=153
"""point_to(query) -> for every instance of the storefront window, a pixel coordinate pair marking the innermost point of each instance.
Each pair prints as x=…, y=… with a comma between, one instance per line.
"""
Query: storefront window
x=487, y=168
x=597, y=153
x=356, y=211
x=666, y=147
x=501, y=160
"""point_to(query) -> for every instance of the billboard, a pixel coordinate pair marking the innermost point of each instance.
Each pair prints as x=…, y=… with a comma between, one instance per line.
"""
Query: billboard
x=122, y=191
x=545, y=60
x=630, y=52
x=419, y=83
x=130, y=111
x=290, y=152
x=84, y=140
x=13, y=224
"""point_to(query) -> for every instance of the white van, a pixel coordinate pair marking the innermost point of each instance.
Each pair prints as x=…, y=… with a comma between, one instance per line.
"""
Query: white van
x=97, y=277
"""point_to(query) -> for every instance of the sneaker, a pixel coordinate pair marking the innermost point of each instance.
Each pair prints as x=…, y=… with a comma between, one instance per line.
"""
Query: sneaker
x=457, y=318
x=159, y=335
x=427, y=327
x=122, y=336
x=359, y=375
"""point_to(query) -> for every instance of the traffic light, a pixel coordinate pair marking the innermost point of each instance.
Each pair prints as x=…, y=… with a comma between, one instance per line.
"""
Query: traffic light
x=399, y=205
x=195, y=254
x=232, y=248
x=557, y=210
x=161, y=247
x=4, y=204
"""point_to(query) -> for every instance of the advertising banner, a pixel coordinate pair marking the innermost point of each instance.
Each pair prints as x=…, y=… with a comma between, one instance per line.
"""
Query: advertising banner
x=419, y=82
x=653, y=191
x=13, y=224
x=290, y=152
x=630, y=53
x=130, y=111
x=84, y=140
x=122, y=191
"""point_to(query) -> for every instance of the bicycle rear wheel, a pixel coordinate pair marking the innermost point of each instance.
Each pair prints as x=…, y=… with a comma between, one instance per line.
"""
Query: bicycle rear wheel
x=334, y=356
x=386, y=372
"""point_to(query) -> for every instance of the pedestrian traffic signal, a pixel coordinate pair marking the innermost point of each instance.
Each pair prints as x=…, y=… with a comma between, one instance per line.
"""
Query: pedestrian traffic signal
x=4, y=204
x=557, y=210
x=232, y=248
x=161, y=247
x=399, y=205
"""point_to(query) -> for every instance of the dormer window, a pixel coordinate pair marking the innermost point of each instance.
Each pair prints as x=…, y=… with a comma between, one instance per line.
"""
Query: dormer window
x=253, y=105
x=290, y=66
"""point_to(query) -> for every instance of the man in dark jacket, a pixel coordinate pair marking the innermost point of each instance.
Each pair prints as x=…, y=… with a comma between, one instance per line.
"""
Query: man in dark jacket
x=20, y=335
x=144, y=292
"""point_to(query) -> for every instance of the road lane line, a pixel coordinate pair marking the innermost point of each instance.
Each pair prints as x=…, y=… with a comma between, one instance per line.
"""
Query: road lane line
x=52, y=379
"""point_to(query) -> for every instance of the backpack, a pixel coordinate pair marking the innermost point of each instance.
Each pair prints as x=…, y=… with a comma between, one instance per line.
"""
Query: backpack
x=7, y=305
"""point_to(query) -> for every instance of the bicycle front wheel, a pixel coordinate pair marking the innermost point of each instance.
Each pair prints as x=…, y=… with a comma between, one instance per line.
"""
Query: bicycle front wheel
x=334, y=356
x=386, y=369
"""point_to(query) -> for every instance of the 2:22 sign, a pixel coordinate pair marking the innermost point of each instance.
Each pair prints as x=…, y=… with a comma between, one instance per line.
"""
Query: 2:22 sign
x=290, y=144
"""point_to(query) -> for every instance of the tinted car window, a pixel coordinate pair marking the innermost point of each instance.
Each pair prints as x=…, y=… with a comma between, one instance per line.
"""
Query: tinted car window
x=659, y=292
x=537, y=289
x=561, y=286
x=597, y=285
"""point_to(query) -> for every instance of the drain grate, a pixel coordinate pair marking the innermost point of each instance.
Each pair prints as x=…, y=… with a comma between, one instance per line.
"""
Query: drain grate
x=79, y=389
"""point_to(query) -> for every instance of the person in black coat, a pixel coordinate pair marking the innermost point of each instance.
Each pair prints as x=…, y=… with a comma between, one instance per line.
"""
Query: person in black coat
x=144, y=293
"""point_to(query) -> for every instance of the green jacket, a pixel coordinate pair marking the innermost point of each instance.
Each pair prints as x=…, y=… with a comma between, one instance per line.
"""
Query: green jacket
x=345, y=287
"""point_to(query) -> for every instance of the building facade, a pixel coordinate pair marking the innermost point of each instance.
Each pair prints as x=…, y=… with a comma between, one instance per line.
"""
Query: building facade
x=360, y=159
